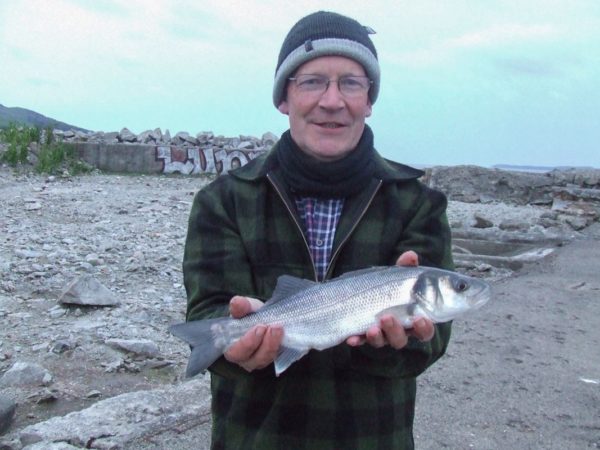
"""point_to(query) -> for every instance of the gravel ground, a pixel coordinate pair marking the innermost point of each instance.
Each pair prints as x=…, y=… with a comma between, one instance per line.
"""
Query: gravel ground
x=128, y=233
x=125, y=231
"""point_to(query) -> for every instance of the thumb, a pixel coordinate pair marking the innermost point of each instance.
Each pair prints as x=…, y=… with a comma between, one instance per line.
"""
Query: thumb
x=409, y=258
x=240, y=306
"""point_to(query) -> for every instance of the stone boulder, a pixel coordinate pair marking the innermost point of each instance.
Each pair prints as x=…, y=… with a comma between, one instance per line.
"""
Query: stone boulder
x=473, y=184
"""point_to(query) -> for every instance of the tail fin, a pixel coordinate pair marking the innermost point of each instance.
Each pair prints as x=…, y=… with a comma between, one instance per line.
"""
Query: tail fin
x=201, y=337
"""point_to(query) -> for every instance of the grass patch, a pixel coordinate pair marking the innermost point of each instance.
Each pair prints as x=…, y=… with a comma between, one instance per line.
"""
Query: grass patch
x=57, y=157
x=18, y=140
x=50, y=157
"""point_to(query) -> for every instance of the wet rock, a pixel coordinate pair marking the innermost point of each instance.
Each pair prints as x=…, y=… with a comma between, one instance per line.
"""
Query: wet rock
x=576, y=208
x=62, y=346
x=44, y=396
x=7, y=412
x=482, y=222
x=57, y=311
x=513, y=225
x=115, y=421
x=93, y=259
x=577, y=223
x=142, y=347
x=26, y=373
x=33, y=206
x=93, y=394
x=88, y=291
x=47, y=445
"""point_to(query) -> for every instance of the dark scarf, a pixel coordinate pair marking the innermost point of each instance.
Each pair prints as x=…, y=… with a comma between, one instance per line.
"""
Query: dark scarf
x=307, y=176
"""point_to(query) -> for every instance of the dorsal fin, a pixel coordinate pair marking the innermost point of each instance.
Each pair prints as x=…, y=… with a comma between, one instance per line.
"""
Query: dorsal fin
x=287, y=286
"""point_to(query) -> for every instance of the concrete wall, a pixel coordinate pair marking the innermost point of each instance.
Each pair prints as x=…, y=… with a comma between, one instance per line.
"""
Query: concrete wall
x=162, y=159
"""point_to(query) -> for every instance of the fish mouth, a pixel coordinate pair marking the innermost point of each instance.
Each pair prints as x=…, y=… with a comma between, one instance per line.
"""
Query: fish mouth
x=481, y=297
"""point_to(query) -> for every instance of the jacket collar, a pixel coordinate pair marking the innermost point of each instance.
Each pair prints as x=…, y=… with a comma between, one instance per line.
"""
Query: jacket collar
x=386, y=170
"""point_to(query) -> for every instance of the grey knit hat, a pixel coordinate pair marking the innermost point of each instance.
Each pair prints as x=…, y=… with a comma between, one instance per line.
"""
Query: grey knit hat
x=326, y=34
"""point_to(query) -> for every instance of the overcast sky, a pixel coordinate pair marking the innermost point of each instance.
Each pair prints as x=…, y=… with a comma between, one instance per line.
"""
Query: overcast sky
x=463, y=82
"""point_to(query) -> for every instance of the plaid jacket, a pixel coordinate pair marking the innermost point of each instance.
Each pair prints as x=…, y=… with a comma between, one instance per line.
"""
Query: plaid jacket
x=243, y=233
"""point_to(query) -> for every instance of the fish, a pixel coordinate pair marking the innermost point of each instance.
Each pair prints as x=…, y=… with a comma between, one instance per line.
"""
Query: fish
x=320, y=315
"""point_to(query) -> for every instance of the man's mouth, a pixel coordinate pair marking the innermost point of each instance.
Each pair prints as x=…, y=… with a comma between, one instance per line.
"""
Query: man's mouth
x=331, y=125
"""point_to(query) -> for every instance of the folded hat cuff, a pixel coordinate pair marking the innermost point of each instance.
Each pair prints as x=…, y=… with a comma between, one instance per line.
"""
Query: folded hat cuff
x=327, y=47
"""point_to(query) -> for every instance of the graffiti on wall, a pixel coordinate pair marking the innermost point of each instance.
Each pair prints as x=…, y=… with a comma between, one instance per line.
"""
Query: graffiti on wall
x=196, y=160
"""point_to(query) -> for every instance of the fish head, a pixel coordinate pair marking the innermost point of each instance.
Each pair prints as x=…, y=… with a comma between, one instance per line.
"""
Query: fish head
x=443, y=295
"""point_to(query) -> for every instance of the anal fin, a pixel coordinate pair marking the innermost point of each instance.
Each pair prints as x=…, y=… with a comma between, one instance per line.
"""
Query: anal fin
x=287, y=356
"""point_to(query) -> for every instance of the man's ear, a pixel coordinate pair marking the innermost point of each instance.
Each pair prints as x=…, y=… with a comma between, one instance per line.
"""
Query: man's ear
x=284, y=108
x=369, y=109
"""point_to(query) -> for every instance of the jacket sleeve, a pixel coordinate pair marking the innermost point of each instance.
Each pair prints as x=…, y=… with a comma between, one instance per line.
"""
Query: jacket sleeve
x=215, y=266
x=427, y=232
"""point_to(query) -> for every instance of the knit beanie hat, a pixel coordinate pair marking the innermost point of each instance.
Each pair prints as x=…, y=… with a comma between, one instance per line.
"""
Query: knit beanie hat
x=326, y=34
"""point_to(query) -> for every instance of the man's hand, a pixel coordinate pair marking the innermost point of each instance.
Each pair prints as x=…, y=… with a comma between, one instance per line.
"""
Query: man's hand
x=389, y=331
x=259, y=346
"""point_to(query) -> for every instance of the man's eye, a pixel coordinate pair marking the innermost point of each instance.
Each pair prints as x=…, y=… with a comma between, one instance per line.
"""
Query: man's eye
x=352, y=83
x=314, y=81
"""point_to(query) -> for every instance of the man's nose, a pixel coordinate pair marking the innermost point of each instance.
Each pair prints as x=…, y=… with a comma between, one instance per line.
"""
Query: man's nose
x=332, y=98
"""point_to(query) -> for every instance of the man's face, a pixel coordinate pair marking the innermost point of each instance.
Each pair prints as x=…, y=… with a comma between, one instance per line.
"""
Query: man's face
x=327, y=126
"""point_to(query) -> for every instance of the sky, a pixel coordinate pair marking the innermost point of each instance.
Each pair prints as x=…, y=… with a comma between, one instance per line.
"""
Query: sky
x=481, y=82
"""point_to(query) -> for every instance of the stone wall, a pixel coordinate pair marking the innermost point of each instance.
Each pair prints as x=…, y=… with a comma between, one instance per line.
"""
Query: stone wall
x=153, y=152
x=573, y=194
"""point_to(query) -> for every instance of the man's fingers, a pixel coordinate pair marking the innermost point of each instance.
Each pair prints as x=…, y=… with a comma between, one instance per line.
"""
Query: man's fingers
x=375, y=337
x=355, y=341
x=240, y=306
x=245, y=347
x=257, y=348
x=409, y=258
x=423, y=329
x=267, y=352
x=394, y=332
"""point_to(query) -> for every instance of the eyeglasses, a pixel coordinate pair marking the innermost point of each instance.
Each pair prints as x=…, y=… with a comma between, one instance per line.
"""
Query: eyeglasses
x=348, y=85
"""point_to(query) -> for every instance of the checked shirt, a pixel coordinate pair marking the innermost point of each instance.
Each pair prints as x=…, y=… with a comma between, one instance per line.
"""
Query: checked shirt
x=320, y=217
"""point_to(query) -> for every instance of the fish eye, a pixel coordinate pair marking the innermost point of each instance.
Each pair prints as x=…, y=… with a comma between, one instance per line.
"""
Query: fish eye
x=461, y=285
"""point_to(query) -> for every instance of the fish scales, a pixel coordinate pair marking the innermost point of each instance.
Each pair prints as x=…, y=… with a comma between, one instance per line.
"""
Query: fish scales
x=337, y=309
x=321, y=315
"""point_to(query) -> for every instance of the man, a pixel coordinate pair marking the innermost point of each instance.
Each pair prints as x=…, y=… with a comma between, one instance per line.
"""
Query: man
x=321, y=203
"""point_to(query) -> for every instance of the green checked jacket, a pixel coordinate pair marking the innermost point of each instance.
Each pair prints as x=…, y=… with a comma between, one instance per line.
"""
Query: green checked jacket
x=244, y=232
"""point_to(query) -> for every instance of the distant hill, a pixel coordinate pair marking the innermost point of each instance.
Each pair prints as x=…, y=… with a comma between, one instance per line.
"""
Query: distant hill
x=31, y=118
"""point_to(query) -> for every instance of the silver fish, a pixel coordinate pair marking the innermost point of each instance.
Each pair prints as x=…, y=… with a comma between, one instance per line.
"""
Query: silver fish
x=322, y=315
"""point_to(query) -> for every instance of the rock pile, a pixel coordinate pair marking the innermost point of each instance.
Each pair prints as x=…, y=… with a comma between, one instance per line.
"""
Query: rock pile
x=572, y=195
x=181, y=139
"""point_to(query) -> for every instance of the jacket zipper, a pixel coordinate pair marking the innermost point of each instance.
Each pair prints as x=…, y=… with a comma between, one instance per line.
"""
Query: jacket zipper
x=298, y=225
x=356, y=222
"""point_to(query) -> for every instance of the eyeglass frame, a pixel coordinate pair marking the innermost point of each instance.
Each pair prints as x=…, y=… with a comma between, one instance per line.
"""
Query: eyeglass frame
x=364, y=89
